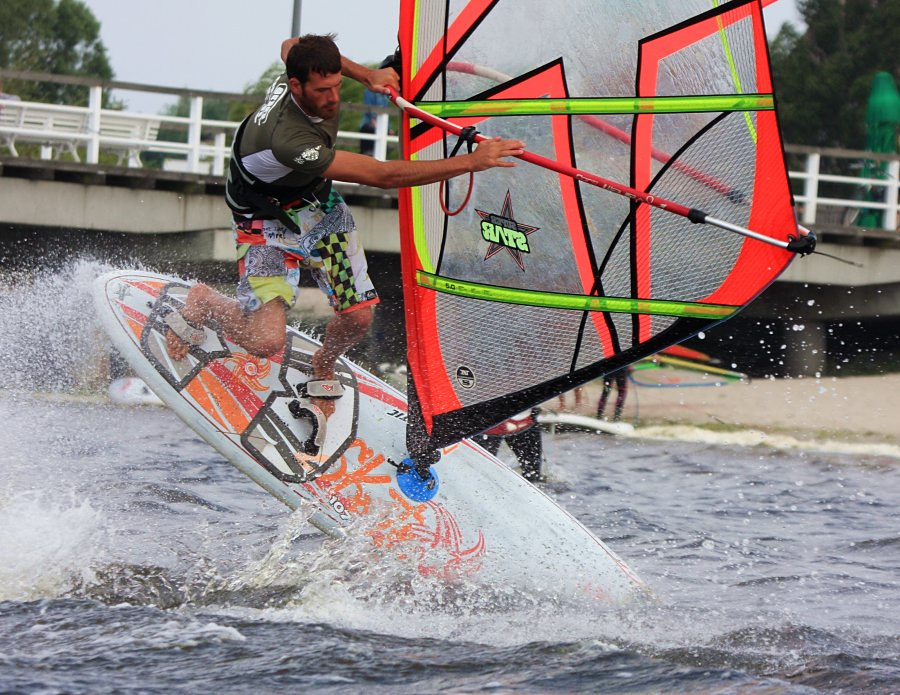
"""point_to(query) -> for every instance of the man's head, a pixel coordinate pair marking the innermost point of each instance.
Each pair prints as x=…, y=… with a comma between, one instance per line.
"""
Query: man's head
x=313, y=67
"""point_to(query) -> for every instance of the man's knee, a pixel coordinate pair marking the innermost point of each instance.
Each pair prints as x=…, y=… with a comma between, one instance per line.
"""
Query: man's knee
x=363, y=318
x=357, y=322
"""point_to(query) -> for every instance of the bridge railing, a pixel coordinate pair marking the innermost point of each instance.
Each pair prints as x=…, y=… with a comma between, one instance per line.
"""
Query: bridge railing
x=840, y=190
x=846, y=192
x=191, y=143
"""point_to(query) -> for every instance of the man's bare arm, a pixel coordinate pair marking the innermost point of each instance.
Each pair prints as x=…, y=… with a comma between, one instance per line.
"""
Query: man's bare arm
x=356, y=168
x=286, y=46
x=375, y=79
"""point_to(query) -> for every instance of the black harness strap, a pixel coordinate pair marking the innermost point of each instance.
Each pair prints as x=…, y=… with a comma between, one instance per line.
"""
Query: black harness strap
x=247, y=195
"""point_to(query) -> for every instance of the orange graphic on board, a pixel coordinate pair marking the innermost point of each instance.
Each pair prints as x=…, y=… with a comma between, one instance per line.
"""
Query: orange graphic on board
x=424, y=532
x=249, y=370
x=437, y=547
x=218, y=402
x=447, y=536
x=136, y=328
x=399, y=527
x=356, y=499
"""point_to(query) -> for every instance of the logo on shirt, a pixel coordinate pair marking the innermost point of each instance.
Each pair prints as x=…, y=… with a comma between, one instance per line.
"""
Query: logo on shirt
x=309, y=155
x=273, y=96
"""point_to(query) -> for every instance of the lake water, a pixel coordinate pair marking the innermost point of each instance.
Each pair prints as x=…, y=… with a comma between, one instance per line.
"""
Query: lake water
x=134, y=559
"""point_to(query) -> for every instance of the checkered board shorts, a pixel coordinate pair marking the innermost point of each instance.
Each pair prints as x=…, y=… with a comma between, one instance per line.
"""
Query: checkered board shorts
x=271, y=256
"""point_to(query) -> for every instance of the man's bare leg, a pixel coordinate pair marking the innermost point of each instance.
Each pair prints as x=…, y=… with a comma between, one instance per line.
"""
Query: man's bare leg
x=261, y=332
x=342, y=332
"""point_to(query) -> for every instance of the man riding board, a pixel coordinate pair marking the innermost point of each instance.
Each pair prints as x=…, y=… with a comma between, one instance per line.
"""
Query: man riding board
x=287, y=216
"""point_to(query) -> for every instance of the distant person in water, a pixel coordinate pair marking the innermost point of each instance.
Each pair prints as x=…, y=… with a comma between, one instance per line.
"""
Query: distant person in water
x=578, y=392
x=369, y=121
x=620, y=380
x=288, y=218
x=523, y=436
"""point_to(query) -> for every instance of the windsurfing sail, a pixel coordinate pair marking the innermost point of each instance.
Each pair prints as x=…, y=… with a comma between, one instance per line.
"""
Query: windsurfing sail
x=641, y=118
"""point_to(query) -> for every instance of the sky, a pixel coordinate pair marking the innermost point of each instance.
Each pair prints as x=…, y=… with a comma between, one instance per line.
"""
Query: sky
x=226, y=45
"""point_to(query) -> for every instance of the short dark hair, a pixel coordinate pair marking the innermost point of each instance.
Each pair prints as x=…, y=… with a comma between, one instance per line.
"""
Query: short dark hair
x=313, y=53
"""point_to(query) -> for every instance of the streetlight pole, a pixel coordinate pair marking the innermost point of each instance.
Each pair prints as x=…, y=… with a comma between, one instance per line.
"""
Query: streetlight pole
x=295, y=20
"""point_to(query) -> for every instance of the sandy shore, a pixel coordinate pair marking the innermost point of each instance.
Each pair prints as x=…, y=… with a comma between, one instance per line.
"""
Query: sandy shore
x=861, y=409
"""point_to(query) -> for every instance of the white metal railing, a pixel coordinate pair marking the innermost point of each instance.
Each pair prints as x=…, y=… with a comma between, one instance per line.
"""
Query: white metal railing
x=824, y=198
x=71, y=129
x=878, y=194
x=92, y=129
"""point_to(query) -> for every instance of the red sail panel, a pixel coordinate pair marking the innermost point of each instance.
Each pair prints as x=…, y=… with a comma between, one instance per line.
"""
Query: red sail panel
x=550, y=277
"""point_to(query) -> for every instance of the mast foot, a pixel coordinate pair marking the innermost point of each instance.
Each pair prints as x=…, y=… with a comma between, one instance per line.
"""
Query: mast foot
x=416, y=480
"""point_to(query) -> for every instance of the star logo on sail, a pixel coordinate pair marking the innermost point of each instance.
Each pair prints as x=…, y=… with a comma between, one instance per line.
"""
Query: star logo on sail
x=503, y=232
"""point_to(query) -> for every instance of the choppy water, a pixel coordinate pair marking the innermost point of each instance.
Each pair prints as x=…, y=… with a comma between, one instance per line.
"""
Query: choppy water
x=133, y=559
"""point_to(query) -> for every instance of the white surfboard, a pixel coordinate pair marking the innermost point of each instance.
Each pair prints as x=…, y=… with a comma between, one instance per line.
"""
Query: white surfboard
x=132, y=390
x=485, y=523
x=574, y=420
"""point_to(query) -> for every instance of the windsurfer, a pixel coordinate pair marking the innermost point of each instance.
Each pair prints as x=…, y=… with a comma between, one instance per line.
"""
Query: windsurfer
x=620, y=379
x=287, y=217
x=523, y=436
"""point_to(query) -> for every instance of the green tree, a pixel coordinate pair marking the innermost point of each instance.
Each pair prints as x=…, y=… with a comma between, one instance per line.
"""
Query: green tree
x=55, y=36
x=824, y=76
x=213, y=109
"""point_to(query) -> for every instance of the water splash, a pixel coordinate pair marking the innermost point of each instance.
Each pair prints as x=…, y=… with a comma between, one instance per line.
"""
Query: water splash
x=47, y=546
x=50, y=338
x=749, y=437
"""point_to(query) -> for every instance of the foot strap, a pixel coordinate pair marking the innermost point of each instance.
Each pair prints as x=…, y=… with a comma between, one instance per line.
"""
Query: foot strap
x=189, y=333
x=302, y=409
x=321, y=388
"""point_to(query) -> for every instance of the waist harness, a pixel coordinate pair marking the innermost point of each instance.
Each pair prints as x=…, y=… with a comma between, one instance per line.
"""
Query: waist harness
x=247, y=195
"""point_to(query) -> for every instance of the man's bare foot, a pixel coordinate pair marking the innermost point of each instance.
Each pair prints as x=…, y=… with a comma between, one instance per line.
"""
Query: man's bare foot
x=180, y=335
x=175, y=346
x=326, y=405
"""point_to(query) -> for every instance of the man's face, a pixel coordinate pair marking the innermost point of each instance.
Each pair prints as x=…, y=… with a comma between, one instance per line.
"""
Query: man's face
x=320, y=96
